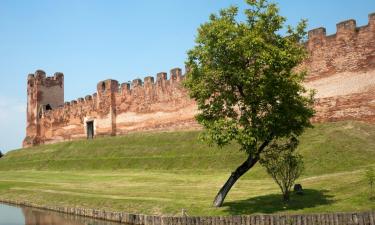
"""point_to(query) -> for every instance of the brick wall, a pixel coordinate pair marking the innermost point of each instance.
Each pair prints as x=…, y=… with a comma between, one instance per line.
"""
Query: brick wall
x=341, y=68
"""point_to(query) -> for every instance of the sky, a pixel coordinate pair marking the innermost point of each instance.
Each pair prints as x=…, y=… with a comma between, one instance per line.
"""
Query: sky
x=94, y=40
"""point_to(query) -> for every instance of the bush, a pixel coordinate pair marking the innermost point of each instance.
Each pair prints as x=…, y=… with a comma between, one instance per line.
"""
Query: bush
x=283, y=164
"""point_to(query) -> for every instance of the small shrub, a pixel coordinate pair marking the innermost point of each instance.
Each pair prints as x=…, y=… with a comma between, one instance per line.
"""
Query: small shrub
x=283, y=164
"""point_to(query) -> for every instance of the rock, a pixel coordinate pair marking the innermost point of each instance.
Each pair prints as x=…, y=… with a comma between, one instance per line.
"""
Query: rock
x=298, y=189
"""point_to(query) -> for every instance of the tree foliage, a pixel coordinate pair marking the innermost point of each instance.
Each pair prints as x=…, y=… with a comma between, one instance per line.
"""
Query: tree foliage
x=243, y=78
x=241, y=74
x=283, y=164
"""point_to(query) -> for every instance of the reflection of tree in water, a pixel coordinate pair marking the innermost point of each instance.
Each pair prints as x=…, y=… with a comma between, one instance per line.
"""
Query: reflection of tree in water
x=43, y=217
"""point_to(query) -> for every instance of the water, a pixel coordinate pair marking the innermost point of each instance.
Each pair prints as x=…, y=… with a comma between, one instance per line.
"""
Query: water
x=12, y=215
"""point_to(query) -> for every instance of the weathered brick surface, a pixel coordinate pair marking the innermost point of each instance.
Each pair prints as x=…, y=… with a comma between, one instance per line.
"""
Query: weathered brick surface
x=115, y=109
x=341, y=67
x=351, y=49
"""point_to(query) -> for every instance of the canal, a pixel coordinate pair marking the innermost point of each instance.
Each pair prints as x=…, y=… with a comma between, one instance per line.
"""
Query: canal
x=13, y=215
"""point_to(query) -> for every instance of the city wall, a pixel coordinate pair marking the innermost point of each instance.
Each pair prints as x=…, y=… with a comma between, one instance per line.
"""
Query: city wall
x=341, y=67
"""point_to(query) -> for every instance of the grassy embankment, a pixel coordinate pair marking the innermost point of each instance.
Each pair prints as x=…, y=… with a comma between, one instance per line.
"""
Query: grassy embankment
x=161, y=173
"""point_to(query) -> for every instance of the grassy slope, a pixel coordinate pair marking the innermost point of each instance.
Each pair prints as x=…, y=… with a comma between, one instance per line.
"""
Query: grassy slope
x=165, y=172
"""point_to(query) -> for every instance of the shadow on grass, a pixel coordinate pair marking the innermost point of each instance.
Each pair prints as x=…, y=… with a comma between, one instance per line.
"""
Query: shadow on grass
x=273, y=202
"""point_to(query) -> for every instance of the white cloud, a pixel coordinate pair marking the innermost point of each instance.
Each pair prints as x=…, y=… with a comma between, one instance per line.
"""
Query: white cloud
x=12, y=122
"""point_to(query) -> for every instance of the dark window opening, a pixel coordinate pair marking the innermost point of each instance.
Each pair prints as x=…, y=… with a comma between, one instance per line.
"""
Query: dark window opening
x=90, y=129
x=48, y=107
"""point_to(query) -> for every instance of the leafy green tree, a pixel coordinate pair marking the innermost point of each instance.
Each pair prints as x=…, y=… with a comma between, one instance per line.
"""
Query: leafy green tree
x=370, y=177
x=1, y=154
x=242, y=76
x=283, y=164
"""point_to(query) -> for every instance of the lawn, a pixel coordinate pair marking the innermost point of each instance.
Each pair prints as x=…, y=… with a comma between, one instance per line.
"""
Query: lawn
x=162, y=173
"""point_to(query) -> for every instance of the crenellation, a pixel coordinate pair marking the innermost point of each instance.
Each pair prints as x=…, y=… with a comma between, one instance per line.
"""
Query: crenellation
x=346, y=27
x=40, y=75
x=371, y=17
x=176, y=74
x=88, y=98
x=341, y=67
x=317, y=33
x=136, y=83
x=101, y=87
x=351, y=49
x=125, y=88
x=317, y=37
x=107, y=86
x=371, y=21
x=30, y=76
x=148, y=81
x=80, y=100
x=58, y=76
x=161, y=76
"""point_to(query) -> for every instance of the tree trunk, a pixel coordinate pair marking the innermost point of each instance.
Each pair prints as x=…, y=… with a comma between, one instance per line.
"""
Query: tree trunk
x=241, y=170
x=286, y=196
x=250, y=162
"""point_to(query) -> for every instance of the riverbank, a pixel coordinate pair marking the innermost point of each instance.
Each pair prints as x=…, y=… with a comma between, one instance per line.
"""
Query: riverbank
x=356, y=218
x=163, y=173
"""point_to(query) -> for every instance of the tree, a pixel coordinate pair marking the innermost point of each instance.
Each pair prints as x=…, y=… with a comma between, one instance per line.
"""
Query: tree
x=370, y=177
x=283, y=164
x=242, y=76
x=1, y=154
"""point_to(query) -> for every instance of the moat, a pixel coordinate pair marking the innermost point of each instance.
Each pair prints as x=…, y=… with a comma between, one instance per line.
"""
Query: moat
x=13, y=215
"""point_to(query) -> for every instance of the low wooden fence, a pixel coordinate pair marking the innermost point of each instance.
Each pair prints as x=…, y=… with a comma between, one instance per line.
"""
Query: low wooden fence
x=356, y=218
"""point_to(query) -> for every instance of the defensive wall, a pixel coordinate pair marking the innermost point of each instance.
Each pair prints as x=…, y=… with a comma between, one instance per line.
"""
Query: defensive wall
x=341, y=67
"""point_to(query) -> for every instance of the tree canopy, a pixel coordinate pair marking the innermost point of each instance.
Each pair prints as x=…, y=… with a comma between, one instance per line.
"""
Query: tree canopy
x=242, y=75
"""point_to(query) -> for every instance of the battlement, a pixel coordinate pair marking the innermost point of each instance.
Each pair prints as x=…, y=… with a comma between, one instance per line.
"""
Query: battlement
x=113, y=86
x=161, y=76
x=317, y=33
x=109, y=86
x=350, y=49
x=40, y=75
x=371, y=18
x=162, y=103
x=347, y=27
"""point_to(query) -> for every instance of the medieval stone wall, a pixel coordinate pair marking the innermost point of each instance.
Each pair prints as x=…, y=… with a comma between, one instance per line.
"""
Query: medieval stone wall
x=42, y=93
x=341, y=68
x=115, y=109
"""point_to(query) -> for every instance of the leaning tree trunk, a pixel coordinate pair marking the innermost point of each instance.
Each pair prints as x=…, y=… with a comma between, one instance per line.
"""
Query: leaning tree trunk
x=286, y=196
x=241, y=170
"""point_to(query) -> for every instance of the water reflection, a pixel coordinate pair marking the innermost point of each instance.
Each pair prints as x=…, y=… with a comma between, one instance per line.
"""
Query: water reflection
x=10, y=215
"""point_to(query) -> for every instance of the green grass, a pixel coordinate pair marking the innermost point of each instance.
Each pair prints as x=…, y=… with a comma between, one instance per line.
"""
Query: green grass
x=161, y=173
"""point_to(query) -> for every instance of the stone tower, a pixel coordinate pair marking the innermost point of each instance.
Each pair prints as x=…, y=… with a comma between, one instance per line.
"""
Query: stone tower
x=107, y=91
x=43, y=94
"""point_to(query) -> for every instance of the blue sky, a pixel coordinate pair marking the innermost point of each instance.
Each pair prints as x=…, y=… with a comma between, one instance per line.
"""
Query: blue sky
x=92, y=40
